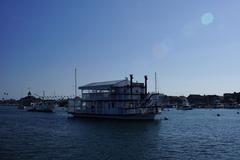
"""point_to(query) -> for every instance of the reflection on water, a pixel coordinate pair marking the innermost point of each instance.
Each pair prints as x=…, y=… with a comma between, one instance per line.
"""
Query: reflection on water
x=194, y=134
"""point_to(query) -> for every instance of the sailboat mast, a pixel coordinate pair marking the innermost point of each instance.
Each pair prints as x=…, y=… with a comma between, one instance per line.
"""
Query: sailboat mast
x=156, y=82
x=75, y=82
x=43, y=94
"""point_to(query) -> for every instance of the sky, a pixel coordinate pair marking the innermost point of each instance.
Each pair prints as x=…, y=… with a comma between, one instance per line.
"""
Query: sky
x=193, y=46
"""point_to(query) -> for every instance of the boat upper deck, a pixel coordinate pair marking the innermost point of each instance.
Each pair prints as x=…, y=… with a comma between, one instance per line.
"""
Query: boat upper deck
x=105, y=85
x=120, y=90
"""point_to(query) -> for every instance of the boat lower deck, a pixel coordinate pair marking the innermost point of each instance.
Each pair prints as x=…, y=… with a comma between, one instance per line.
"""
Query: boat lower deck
x=118, y=116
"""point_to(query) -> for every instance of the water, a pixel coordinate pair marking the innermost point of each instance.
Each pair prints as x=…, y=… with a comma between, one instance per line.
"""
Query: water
x=193, y=134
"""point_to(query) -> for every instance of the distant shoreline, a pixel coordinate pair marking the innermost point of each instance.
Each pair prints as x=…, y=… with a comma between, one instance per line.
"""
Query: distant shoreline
x=232, y=107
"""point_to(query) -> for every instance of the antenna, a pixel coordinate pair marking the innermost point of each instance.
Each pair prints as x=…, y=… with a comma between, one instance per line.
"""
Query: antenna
x=75, y=82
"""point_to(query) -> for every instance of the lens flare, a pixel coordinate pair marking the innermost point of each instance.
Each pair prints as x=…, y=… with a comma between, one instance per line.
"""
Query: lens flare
x=207, y=18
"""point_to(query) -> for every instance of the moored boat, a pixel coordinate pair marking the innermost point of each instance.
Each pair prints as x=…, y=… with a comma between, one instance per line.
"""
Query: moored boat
x=120, y=99
x=184, y=105
x=40, y=107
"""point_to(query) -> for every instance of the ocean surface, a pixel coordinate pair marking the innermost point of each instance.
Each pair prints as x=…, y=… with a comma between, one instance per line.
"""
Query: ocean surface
x=191, y=134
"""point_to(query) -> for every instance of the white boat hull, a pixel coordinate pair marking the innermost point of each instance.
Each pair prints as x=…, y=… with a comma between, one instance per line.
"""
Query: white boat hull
x=122, y=117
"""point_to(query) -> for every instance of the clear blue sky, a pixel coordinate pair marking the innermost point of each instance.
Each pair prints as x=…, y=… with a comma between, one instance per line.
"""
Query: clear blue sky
x=194, y=46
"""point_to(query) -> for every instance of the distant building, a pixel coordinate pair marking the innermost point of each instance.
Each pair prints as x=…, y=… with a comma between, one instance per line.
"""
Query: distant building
x=163, y=99
x=212, y=100
x=231, y=98
x=26, y=101
x=196, y=100
x=173, y=100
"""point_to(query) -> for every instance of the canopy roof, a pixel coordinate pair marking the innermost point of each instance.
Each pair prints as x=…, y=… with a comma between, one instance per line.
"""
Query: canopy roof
x=105, y=85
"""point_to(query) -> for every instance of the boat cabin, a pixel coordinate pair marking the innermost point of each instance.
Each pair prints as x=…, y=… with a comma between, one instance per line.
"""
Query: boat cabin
x=119, y=93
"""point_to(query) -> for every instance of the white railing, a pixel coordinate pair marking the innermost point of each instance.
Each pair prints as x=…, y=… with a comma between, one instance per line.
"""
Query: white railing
x=123, y=111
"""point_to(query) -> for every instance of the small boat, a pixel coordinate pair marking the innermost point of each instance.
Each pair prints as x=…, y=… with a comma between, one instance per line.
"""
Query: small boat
x=40, y=107
x=184, y=104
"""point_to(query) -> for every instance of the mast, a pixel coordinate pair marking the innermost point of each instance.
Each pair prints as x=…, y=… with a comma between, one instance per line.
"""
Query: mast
x=54, y=94
x=43, y=94
x=74, y=100
x=155, y=82
x=75, y=82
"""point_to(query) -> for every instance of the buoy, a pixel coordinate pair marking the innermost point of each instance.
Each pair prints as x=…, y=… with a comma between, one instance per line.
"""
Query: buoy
x=218, y=115
x=165, y=118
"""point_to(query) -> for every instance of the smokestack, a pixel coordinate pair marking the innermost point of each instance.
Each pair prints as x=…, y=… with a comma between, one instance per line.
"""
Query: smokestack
x=131, y=82
x=145, y=78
